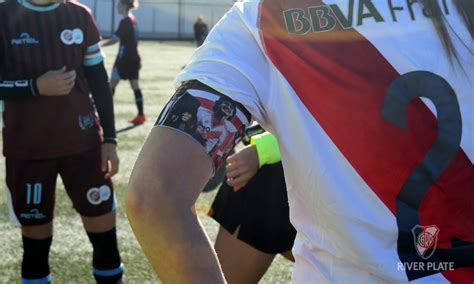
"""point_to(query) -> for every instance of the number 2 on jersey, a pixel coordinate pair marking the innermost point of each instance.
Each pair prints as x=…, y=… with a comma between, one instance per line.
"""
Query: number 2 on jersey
x=400, y=93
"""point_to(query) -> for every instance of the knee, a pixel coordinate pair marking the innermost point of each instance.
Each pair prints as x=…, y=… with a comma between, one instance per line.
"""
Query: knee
x=144, y=203
x=139, y=201
x=38, y=232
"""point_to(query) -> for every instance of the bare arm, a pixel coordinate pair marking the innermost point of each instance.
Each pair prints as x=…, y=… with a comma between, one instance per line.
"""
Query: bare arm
x=110, y=41
x=167, y=178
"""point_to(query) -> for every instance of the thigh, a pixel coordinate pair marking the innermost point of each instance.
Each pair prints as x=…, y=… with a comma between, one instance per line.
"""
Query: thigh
x=116, y=76
x=134, y=83
x=240, y=262
x=99, y=224
x=32, y=190
x=91, y=194
x=114, y=82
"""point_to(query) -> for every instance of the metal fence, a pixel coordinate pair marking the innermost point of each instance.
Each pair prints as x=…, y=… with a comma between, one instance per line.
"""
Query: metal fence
x=161, y=19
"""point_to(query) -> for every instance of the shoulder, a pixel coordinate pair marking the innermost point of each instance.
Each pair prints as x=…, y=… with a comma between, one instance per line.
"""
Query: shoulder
x=4, y=4
x=128, y=21
x=78, y=8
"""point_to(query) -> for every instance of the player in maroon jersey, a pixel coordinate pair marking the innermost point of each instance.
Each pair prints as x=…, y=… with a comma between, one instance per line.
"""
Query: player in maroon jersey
x=50, y=61
x=127, y=65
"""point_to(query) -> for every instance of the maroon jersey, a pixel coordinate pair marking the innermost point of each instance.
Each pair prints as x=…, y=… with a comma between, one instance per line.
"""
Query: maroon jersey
x=34, y=40
x=128, y=36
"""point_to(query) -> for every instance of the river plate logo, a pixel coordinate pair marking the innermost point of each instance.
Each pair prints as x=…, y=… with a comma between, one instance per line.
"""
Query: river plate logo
x=425, y=239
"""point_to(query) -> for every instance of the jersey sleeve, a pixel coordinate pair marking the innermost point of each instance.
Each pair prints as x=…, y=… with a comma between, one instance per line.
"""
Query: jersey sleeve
x=93, y=54
x=122, y=29
x=233, y=63
x=210, y=118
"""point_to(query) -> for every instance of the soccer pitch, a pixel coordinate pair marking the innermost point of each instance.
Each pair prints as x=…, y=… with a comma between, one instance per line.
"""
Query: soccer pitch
x=71, y=257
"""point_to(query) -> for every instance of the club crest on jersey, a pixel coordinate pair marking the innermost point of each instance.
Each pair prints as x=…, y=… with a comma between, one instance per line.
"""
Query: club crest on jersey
x=86, y=121
x=96, y=196
x=24, y=39
x=425, y=239
x=70, y=37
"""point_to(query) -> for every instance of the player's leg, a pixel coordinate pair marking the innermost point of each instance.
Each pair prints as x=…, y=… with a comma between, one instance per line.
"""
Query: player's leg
x=93, y=198
x=134, y=84
x=107, y=266
x=254, y=225
x=240, y=262
x=114, y=80
x=31, y=187
x=138, y=95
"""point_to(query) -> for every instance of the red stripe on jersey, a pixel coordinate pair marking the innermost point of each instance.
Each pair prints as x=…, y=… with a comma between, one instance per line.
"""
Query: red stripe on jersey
x=342, y=80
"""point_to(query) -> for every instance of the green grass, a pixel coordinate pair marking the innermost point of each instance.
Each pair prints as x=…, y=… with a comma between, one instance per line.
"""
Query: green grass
x=70, y=257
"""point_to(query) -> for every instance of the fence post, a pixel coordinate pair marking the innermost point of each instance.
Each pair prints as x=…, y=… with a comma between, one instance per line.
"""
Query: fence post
x=95, y=9
x=112, y=26
x=180, y=18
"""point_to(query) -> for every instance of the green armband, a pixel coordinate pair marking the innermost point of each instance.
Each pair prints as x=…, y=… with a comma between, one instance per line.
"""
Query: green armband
x=267, y=148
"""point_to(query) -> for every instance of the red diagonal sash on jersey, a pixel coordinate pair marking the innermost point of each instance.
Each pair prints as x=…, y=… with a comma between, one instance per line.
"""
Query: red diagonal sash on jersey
x=342, y=79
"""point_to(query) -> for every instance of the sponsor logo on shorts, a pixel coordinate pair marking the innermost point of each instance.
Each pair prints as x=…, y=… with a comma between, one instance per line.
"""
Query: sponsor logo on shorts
x=33, y=214
x=24, y=39
x=70, y=37
x=86, y=121
x=96, y=196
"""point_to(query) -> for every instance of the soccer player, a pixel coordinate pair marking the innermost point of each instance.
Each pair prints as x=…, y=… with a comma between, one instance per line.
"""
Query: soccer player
x=50, y=63
x=251, y=207
x=128, y=63
x=371, y=103
x=200, y=30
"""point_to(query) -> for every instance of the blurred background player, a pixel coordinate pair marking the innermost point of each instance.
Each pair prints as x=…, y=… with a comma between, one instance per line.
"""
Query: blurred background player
x=375, y=174
x=251, y=207
x=200, y=30
x=128, y=63
x=48, y=69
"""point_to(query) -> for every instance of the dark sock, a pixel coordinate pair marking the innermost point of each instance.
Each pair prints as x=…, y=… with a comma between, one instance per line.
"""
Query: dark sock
x=107, y=266
x=139, y=101
x=35, y=263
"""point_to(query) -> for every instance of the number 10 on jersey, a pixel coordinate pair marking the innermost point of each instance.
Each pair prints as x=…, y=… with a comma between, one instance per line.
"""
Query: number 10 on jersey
x=33, y=193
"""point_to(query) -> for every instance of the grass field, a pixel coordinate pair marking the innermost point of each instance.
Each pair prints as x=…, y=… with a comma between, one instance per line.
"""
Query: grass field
x=70, y=257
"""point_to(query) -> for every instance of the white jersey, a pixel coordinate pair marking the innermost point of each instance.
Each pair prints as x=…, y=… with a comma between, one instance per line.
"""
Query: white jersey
x=380, y=182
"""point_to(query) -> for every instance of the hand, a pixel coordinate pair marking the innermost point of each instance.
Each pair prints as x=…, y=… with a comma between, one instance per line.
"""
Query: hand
x=56, y=82
x=110, y=160
x=241, y=167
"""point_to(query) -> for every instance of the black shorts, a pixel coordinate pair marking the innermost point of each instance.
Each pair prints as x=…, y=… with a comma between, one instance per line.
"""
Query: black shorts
x=126, y=71
x=260, y=211
x=32, y=186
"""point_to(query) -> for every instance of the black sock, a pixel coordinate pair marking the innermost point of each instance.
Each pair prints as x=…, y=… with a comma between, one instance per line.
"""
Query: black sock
x=107, y=266
x=35, y=263
x=139, y=101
